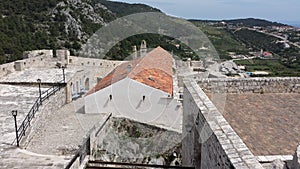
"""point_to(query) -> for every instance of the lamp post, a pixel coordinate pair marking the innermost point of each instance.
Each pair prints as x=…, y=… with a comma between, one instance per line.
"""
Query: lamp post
x=39, y=81
x=64, y=77
x=15, y=113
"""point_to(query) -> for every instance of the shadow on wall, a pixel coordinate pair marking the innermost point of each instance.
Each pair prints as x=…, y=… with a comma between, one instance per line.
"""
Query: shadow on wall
x=81, y=110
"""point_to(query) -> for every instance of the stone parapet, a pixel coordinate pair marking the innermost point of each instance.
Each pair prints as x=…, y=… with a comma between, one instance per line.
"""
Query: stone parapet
x=208, y=139
x=252, y=85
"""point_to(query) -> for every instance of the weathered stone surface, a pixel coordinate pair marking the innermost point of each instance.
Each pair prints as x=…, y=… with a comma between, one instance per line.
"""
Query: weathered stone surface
x=276, y=164
x=208, y=140
x=296, y=159
x=251, y=85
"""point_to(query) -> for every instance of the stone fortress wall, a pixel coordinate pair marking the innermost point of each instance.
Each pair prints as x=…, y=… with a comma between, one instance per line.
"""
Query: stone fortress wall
x=91, y=71
x=31, y=59
x=88, y=70
x=208, y=139
x=91, y=62
x=253, y=85
x=46, y=59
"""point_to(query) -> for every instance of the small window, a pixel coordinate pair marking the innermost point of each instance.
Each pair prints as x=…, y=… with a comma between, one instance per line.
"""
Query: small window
x=82, y=64
x=150, y=78
x=70, y=60
x=181, y=96
x=100, y=64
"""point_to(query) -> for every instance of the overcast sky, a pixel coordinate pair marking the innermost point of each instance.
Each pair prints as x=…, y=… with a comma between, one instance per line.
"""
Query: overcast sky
x=286, y=11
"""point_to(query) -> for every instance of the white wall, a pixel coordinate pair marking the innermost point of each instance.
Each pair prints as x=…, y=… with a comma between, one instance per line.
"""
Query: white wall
x=127, y=101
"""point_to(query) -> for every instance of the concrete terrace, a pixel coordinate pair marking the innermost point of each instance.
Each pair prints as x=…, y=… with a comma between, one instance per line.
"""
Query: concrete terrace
x=14, y=98
x=47, y=75
x=269, y=124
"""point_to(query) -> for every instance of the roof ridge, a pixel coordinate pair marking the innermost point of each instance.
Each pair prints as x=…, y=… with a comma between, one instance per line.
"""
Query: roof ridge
x=157, y=60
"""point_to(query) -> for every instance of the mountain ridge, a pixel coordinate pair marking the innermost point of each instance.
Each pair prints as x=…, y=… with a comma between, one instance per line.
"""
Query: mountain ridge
x=244, y=21
x=54, y=24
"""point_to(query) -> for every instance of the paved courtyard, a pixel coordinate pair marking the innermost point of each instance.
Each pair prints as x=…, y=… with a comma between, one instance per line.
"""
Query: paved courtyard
x=50, y=75
x=53, y=137
x=14, y=98
x=269, y=124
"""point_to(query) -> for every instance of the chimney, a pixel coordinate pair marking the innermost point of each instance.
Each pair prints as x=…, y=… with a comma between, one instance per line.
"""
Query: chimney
x=143, y=50
x=129, y=67
x=134, y=55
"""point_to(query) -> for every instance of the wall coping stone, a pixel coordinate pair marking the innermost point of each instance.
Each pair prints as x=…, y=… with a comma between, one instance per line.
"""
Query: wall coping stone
x=238, y=153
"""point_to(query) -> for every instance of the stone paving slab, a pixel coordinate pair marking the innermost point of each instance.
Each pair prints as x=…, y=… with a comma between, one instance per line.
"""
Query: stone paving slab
x=12, y=157
x=62, y=131
x=20, y=98
x=269, y=124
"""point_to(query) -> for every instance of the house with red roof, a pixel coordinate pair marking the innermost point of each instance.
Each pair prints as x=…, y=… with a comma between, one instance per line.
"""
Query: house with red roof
x=140, y=89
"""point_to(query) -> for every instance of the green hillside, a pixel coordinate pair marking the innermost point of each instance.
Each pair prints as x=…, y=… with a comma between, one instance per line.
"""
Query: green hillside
x=249, y=22
x=123, y=9
x=38, y=24
x=222, y=40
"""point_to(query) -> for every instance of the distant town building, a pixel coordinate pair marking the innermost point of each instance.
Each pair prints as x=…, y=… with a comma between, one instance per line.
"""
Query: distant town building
x=266, y=55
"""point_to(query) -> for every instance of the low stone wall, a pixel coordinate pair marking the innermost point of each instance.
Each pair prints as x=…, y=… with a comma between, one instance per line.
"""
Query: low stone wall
x=35, y=59
x=100, y=63
x=88, y=146
x=55, y=101
x=7, y=68
x=208, y=139
x=35, y=53
x=253, y=85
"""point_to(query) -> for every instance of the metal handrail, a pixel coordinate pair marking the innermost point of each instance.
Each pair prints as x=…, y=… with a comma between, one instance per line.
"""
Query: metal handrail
x=30, y=115
x=132, y=165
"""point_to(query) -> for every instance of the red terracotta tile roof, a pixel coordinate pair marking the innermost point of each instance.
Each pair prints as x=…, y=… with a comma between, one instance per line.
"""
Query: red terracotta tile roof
x=154, y=69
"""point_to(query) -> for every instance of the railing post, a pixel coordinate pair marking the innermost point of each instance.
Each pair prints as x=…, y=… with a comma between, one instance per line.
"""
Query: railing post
x=15, y=113
x=28, y=119
x=39, y=81
x=64, y=76
x=23, y=128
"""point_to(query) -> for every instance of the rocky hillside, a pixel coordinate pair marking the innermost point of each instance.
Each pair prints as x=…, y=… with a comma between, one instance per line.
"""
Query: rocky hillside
x=38, y=24
x=124, y=140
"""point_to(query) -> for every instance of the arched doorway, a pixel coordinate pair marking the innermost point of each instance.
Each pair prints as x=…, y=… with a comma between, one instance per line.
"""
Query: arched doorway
x=87, y=84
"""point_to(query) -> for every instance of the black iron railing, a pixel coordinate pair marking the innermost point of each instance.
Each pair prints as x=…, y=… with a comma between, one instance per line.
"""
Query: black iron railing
x=84, y=149
x=105, y=164
x=28, y=118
